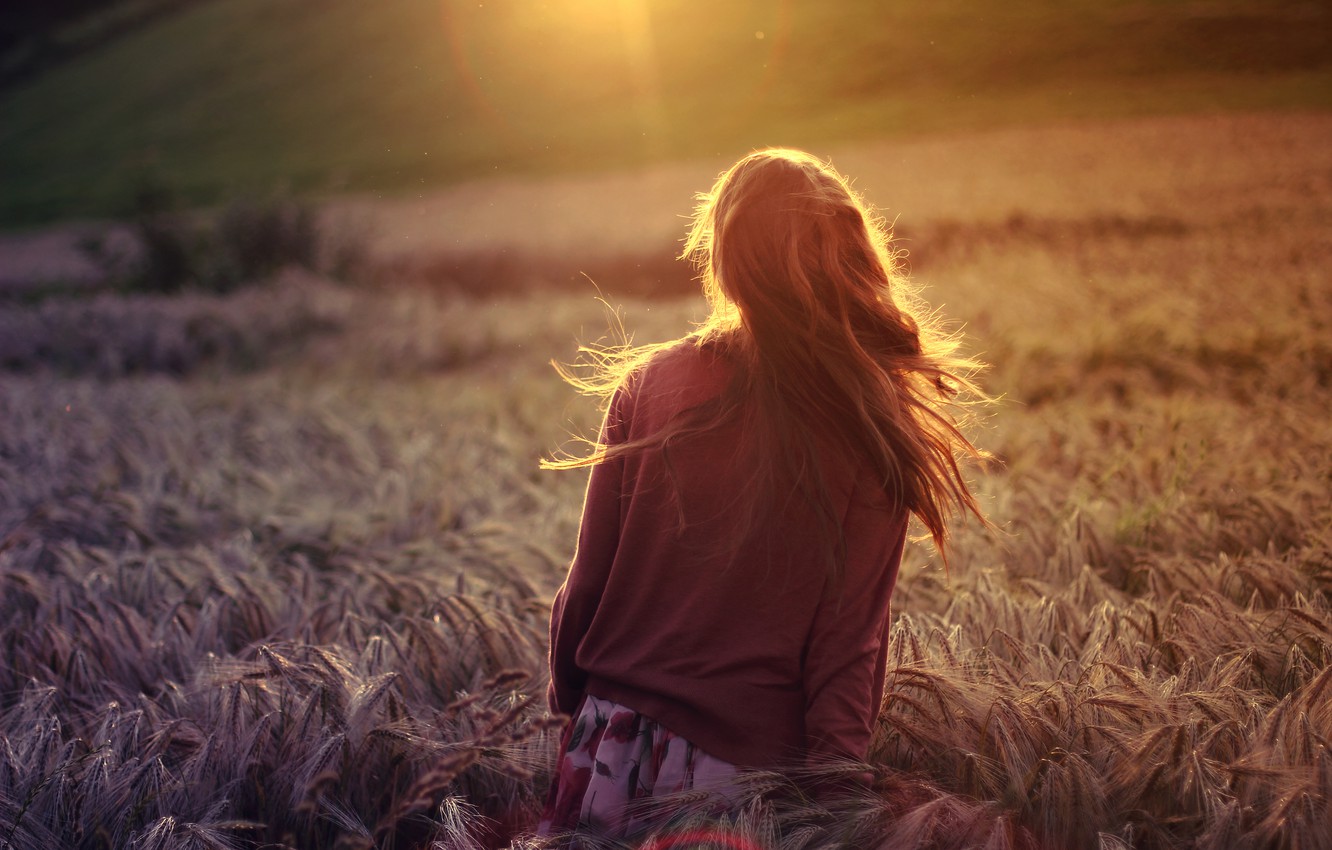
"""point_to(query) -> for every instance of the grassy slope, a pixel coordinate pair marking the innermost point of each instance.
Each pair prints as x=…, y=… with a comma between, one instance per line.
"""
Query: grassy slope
x=247, y=95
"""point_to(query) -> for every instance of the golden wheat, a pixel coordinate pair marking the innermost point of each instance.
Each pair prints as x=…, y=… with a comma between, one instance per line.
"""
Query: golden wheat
x=298, y=598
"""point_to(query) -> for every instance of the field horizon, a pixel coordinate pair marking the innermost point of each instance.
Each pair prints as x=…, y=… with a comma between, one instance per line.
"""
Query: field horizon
x=619, y=231
x=244, y=98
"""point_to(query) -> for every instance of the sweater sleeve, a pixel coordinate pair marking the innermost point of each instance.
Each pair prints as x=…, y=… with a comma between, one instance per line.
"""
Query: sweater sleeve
x=598, y=538
x=847, y=649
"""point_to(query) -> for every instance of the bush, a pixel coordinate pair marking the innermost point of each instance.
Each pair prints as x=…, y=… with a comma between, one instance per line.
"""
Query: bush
x=248, y=241
x=254, y=240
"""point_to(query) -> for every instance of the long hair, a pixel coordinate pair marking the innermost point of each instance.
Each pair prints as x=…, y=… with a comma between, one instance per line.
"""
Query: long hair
x=836, y=358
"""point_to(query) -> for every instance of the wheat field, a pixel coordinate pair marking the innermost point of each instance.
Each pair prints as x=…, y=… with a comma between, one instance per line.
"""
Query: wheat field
x=275, y=566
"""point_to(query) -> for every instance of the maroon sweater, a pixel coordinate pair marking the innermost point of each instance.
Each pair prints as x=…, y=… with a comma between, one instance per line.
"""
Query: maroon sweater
x=753, y=655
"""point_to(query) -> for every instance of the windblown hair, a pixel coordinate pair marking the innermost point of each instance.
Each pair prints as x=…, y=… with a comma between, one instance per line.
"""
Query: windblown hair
x=835, y=357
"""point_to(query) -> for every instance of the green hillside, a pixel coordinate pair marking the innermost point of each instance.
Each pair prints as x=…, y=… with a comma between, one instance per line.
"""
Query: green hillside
x=248, y=96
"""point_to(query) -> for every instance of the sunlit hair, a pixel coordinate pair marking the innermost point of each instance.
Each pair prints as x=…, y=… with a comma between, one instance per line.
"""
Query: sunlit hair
x=836, y=358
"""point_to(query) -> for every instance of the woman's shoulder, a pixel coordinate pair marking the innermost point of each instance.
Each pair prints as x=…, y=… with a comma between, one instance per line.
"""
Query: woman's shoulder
x=699, y=363
x=678, y=376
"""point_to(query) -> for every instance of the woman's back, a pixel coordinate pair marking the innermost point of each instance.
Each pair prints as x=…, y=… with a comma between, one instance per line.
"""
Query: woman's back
x=747, y=650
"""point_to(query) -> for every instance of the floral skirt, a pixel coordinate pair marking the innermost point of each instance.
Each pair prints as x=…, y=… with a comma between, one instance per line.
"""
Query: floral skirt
x=614, y=762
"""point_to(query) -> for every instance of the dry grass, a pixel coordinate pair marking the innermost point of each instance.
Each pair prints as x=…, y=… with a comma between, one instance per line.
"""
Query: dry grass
x=277, y=606
x=110, y=336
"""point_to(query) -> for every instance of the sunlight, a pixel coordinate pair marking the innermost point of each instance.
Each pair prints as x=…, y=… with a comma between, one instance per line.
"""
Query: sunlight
x=636, y=27
x=511, y=62
x=633, y=73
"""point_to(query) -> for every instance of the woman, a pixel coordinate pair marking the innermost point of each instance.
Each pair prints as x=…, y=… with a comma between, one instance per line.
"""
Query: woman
x=728, y=602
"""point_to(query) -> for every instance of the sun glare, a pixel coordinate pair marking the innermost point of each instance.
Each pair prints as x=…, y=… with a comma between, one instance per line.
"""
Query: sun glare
x=513, y=61
x=636, y=70
x=577, y=12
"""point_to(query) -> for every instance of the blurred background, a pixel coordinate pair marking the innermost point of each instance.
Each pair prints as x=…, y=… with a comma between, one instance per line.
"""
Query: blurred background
x=219, y=98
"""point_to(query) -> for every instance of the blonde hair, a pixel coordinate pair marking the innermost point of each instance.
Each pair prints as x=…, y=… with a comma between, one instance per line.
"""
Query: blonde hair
x=836, y=357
